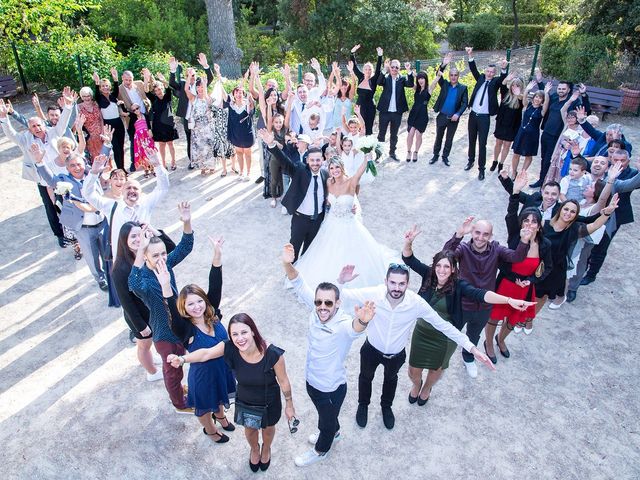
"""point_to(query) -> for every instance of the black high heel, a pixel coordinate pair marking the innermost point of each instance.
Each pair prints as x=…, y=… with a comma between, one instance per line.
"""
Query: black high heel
x=264, y=465
x=229, y=427
x=223, y=437
x=505, y=353
x=493, y=166
x=493, y=359
x=422, y=402
x=413, y=400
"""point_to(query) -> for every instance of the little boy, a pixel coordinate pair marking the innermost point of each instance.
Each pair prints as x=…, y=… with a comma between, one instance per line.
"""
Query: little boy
x=572, y=186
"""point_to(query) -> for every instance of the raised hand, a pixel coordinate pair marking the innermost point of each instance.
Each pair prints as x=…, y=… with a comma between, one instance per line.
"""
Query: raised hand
x=504, y=63
x=315, y=64
x=217, y=243
x=581, y=113
x=469, y=51
x=69, y=96
x=350, y=66
x=407, y=66
x=146, y=74
x=574, y=96
x=10, y=109
x=162, y=272
x=466, y=226
x=114, y=73
x=335, y=67
x=288, y=253
x=582, y=88
x=96, y=78
x=366, y=312
x=520, y=181
x=161, y=77
x=4, y=110
x=438, y=74
x=548, y=87
x=216, y=69
x=107, y=134
x=411, y=234
x=355, y=48
x=346, y=274
x=379, y=51
x=185, y=211
x=537, y=73
x=99, y=164
x=614, y=171
x=387, y=64
x=286, y=71
x=173, y=64
x=447, y=58
x=152, y=156
x=266, y=136
x=202, y=60
x=356, y=109
x=608, y=210
x=532, y=84
x=36, y=153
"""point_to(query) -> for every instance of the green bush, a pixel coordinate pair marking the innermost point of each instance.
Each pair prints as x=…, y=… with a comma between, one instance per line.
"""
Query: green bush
x=138, y=58
x=456, y=34
x=554, y=49
x=529, y=35
x=538, y=18
x=483, y=33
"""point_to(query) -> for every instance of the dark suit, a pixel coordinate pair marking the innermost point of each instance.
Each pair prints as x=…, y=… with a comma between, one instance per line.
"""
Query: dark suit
x=303, y=227
x=183, y=101
x=479, y=122
x=443, y=120
x=393, y=118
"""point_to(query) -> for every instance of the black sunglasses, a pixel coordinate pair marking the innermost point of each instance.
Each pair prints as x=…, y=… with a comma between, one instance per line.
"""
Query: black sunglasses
x=399, y=265
x=394, y=67
x=293, y=425
x=327, y=303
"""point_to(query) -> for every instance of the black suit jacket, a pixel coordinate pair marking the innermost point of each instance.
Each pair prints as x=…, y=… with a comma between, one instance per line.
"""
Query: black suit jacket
x=492, y=89
x=178, y=88
x=462, y=97
x=401, y=100
x=300, y=174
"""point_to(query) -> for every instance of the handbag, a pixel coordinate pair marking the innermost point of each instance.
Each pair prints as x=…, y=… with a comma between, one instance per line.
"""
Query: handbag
x=540, y=269
x=249, y=416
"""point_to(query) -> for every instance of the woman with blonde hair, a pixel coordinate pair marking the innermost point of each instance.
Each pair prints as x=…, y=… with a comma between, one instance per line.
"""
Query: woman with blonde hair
x=93, y=121
x=508, y=119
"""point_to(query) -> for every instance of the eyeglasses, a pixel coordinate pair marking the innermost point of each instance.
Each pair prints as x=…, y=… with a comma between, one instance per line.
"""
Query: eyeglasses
x=293, y=425
x=327, y=303
x=398, y=265
x=395, y=67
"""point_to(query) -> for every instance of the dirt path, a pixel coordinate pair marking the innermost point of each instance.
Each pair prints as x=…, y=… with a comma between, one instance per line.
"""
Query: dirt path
x=75, y=404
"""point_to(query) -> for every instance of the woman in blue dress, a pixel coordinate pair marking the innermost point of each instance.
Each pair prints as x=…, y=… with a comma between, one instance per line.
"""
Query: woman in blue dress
x=528, y=136
x=195, y=320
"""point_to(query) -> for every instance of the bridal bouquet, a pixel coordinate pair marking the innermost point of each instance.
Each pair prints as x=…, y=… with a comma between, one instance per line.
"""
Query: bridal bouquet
x=63, y=188
x=366, y=145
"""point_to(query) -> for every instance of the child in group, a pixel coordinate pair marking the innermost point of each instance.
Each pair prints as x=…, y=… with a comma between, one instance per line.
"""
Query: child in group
x=573, y=186
x=142, y=140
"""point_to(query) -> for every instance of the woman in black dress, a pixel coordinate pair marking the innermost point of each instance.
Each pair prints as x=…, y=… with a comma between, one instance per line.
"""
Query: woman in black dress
x=163, y=126
x=508, y=119
x=106, y=96
x=442, y=289
x=419, y=114
x=563, y=231
x=367, y=84
x=261, y=374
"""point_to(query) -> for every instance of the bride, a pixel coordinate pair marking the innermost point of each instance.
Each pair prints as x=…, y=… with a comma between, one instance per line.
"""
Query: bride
x=343, y=239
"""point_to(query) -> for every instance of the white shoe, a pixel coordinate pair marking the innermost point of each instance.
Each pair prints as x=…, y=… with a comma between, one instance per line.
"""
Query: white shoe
x=556, y=306
x=246, y=178
x=472, y=369
x=157, y=359
x=517, y=329
x=273, y=203
x=240, y=177
x=153, y=377
x=309, y=458
x=283, y=210
x=527, y=331
x=313, y=438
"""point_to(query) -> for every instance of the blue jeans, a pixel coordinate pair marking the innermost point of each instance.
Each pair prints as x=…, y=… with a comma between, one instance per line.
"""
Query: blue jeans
x=328, y=405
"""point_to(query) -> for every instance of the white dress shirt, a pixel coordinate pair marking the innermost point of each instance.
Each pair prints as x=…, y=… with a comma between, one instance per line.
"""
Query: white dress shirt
x=484, y=106
x=392, y=101
x=329, y=343
x=390, y=328
x=316, y=92
x=135, y=97
x=140, y=212
x=306, y=207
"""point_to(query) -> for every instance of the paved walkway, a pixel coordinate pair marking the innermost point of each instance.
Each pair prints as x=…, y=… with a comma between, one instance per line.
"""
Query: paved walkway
x=74, y=402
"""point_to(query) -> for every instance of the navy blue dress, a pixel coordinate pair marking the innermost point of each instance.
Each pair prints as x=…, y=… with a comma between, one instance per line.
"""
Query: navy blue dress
x=528, y=137
x=240, y=127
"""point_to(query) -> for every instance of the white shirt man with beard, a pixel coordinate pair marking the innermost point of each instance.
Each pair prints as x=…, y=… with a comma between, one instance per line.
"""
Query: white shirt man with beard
x=134, y=205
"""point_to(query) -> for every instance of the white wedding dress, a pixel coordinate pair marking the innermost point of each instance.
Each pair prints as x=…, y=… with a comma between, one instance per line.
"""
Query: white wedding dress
x=344, y=240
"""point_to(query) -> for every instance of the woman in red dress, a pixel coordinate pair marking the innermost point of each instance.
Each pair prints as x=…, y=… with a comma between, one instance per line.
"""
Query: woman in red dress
x=93, y=121
x=517, y=280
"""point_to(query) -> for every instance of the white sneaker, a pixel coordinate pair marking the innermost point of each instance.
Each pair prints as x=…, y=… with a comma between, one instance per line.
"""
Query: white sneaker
x=283, y=210
x=527, y=331
x=240, y=177
x=153, y=377
x=309, y=458
x=556, y=306
x=472, y=369
x=313, y=438
x=517, y=329
x=246, y=178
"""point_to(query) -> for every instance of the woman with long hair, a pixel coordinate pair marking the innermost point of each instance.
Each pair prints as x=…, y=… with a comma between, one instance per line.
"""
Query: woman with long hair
x=366, y=90
x=162, y=121
x=261, y=374
x=508, y=119
x=106, y=96
x=93, y=122
x=443, y=290
x=419, y=114
x=201, y=123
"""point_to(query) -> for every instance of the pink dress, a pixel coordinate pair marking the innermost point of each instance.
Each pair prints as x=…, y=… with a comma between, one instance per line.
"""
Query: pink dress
x=141, y=138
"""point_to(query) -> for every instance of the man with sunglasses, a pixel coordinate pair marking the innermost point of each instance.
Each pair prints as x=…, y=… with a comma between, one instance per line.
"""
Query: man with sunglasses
x=331, y=333
x=396, y=312
x=451, y=104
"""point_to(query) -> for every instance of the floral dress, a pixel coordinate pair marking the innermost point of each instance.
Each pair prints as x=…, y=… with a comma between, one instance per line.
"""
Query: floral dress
x=202, y=134
x=93, y=124
x=141, y=140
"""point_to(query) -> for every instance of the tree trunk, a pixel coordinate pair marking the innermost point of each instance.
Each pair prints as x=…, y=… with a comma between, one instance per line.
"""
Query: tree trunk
x=222, y=37
x=516, y=33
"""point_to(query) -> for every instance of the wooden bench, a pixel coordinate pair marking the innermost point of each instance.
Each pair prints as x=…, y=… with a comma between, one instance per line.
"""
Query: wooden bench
x=604, y=100
x=8, y=86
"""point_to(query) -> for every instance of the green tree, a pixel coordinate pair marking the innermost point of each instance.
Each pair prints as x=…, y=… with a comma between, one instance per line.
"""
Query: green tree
x=620, y=19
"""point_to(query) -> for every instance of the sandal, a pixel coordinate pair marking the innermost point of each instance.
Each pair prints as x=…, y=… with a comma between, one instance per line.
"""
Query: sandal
x=223, y=174
x=173, y=167
x=415, y=158
x=229, y=427
x=203, y=172
x=223, y=437
x=146, y=174
x=77, y=253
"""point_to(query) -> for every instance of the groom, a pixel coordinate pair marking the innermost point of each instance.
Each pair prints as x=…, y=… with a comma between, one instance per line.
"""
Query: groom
x=307, y=193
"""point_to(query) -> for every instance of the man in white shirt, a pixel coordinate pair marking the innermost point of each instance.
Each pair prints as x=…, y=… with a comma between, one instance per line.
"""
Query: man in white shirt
x=132, y=91
x=331, y=333
x=133, y=207
x=46, y=138
x=396, y=312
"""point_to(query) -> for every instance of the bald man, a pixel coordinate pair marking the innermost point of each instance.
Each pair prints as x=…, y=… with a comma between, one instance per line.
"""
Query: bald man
x=478, y=261
x=47, y=139
x=134, y=205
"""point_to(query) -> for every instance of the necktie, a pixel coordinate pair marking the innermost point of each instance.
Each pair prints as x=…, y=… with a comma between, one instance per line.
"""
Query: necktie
x=315, y=198
x=484, y=91
x=300, y=129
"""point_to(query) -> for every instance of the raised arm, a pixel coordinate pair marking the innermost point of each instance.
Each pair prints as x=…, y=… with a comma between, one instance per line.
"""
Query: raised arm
x=605, y=213
x=545, y=105
x=180, y=326
x=356, y=70
x=185, y=246
x=565, y=107
x=89, y=191
x=302, y=289
x=472, y=63
x=435, y=81
x=214, y=293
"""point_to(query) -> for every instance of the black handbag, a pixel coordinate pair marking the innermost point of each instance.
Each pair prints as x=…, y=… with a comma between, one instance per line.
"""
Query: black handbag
x=250, y=416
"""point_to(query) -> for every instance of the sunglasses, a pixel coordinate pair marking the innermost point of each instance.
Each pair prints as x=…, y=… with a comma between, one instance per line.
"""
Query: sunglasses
x=399, y=265
x=293, y=425
x=394, y=67
x=327, y=303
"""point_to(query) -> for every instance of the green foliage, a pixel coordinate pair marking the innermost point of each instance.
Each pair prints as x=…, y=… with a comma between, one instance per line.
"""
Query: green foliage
x=529, y=35
x=619, y=19
x=554, y=49
x=138, y=58
x=259, y=44
x=484, y=32
x=536, y=18
x=457, y=34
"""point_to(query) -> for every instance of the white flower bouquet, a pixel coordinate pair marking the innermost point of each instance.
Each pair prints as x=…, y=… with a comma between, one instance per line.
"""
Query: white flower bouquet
x=63, y=188
x=369, y=144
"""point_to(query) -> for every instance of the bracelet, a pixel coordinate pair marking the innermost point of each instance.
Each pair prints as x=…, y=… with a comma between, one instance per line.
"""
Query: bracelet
x=183, y=360
x=605, y=214
x=364, y=324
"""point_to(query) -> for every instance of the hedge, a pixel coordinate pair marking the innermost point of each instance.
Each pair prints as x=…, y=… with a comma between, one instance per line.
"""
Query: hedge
x=528, y=18
x=529, y=35
x=488, y=37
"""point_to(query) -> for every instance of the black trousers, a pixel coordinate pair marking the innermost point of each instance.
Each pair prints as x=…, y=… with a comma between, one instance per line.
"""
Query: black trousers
x=395, y=119
x=370, y=358
x=328, y=405
x=547, y=146
x=368, y=113
x=478, y=131
x=117, y=141
x=303, y=231
x=187, y=133
x=50, y=210
x=475, y=321
x=598, y=254
x=444, y=124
